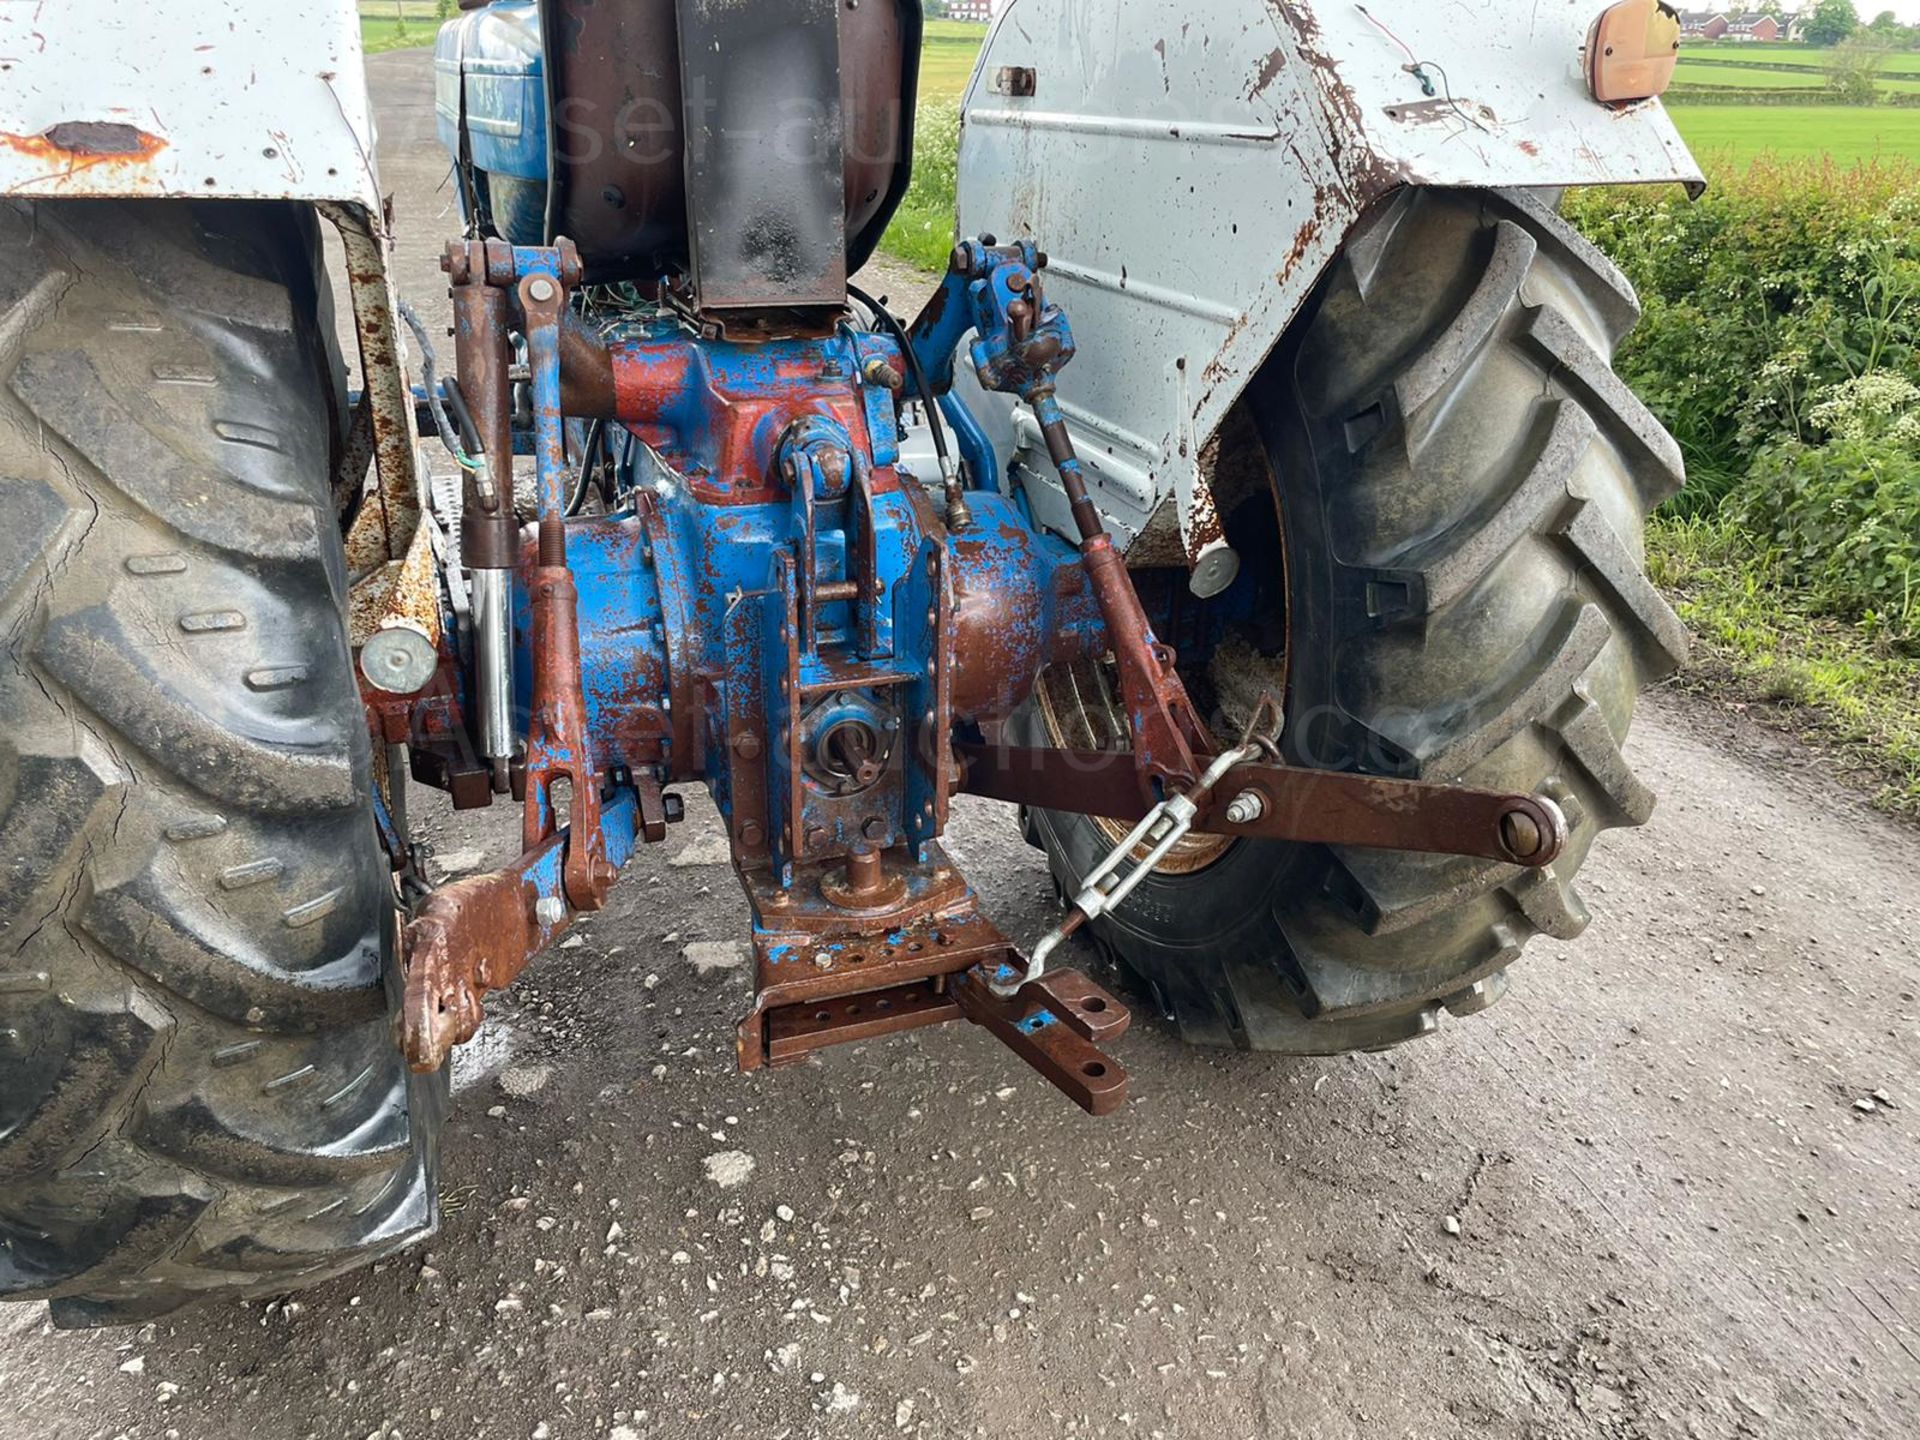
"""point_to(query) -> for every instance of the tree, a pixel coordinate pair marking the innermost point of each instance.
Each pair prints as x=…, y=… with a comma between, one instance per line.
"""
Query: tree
x=1887, y=24
x=1831, y=22
x=1854, y=71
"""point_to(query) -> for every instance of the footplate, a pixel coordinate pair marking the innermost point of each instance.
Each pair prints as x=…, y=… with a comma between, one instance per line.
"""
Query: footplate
x=864, y=979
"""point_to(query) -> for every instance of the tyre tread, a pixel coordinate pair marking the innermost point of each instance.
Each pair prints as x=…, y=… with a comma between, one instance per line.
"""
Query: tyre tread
x=198, y=1092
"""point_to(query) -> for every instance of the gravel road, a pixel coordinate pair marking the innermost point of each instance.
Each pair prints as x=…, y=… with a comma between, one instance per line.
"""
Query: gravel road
x=1666, y=1188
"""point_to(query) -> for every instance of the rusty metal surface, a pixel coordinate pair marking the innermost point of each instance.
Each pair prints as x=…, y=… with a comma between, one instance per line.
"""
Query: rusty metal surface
x=1304, y=806
x=1083, y=1005
x=802, y=1030
x=926, y=963
x=477, y=935
x=389, y=518
x=1167, y=735
x=557, y=747
x=936, y=931
x=1034, y=1028
x=615, y=76
x=488, y=530
x=471, y=937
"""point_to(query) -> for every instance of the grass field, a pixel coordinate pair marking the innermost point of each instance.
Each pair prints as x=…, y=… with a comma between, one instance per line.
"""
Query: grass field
x=1732, y=136
x=1904, y=62
x=1773, y=77
x=398, y=24
x=947, y=59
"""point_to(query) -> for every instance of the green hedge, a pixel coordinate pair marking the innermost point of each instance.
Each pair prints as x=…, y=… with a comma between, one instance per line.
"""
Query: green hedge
x=1736, y=95
x=922, y=229
x=1781, y=345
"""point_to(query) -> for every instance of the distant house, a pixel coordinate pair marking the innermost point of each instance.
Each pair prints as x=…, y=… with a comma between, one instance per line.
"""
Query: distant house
x=1753, y=26
x=1702, y=25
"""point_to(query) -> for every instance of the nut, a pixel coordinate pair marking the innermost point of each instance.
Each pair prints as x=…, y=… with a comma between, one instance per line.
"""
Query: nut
x=550, y=910
x=1247, y=807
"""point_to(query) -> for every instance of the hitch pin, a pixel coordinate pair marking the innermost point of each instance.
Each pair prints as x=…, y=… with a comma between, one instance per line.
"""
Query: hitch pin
x=1111, y=882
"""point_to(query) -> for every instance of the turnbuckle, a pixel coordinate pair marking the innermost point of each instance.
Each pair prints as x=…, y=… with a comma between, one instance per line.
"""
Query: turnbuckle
x=1115, y=878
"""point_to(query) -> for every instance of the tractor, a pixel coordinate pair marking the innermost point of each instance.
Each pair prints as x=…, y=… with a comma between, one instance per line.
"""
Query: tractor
x=1253, y=508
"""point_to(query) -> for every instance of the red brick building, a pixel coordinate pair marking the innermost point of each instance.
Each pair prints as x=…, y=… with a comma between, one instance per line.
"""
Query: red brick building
x=1753, y=26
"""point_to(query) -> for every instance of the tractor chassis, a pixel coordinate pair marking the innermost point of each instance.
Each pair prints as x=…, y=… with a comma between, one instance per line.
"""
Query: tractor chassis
x=778, y=611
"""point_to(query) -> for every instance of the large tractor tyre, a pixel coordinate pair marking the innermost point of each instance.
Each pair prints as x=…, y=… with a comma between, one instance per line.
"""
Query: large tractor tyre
x=200, y=1093
x=1462, y=485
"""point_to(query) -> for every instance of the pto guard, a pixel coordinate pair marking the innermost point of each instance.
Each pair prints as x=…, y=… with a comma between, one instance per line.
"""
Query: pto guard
x=1193, y=171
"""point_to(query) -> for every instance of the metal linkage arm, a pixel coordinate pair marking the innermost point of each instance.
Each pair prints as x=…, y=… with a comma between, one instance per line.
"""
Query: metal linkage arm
x=1258, y=801
x=477, y=935
x=1021, y=343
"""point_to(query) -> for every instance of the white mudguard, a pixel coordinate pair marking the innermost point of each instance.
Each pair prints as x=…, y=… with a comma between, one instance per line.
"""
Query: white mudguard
x=1193, y=169
x=174, y=98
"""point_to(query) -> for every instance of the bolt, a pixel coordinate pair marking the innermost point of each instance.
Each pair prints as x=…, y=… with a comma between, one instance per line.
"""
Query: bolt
x=540, y=290
x=1247, y=807
x=1520, y=833
x=875, y=828
x=550, y=910
x=880, y=373
x=866, y=873
x=816, y=839
x=747, y=745
x=751, y=835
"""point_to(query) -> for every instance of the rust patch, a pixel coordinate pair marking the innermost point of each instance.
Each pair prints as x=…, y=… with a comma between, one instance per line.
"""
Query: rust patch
x=1367, y=175
x=1305, y=236
x=1270, y=70
x=74, y=146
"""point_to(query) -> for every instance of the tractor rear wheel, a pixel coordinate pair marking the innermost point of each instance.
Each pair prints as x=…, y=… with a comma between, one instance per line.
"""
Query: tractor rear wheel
x=200, y=1093
x=1462, y=484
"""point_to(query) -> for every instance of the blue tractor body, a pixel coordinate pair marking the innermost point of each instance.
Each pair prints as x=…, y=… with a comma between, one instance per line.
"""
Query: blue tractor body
x=490, y=104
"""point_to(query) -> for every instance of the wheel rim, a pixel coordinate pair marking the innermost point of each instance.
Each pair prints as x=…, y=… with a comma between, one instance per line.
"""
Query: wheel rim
x=1078, y=704
x=1080, y=711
